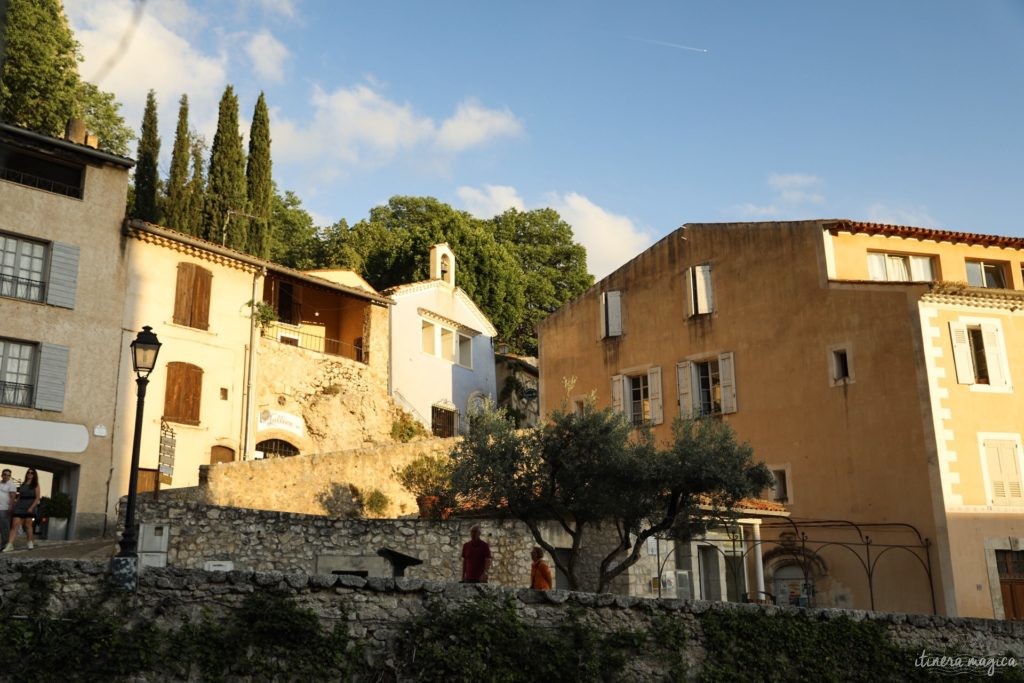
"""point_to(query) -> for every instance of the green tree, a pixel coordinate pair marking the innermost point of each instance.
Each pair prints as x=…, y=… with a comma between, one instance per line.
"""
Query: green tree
x=293, y=237
x=196, y=189
x=225, y=188
x=147, y=175
x=588, y=472
x=102, y=115
x=392, y=247
x=259, y=183
x=39, y=78
x=176, y=202
x=554, y=265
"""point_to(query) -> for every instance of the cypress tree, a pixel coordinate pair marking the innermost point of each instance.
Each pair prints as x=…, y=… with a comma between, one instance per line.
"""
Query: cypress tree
x=39, y=74
x=147, y=177
x=259, y=182
x=196, y=192
x=176, y=209
x=225, y=188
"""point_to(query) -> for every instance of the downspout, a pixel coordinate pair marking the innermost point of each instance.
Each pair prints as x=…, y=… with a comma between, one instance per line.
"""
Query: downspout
x=391, y=350
x=249, y=370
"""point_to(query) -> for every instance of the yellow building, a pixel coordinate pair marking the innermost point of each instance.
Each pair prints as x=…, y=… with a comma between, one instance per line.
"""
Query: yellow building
x=872, y=369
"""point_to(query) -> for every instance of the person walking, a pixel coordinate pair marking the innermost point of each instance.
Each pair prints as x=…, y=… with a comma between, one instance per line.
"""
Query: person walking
x=540, y=573
x=24, y=512
x=476, y=558
x=8, y=496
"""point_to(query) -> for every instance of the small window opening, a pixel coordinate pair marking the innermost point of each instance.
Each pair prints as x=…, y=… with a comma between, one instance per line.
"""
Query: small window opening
x=840, y=365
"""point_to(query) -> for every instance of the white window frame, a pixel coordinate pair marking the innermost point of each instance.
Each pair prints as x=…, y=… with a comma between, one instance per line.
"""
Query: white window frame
x=26, y=377
x=424, y=324
x=831, y=364
x=987, y=476
x=688, y=383
x=983, y=264
x=611, y=314
x=699, y=293
x=890, y=267
x=995, y=354
x=621, y=392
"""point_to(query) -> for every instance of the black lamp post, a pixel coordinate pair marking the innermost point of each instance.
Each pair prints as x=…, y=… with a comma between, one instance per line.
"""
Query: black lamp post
x=144, y=351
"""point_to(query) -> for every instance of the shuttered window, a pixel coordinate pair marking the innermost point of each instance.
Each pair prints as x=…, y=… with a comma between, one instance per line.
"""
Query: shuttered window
x=183, y=393
x=610, y=320
x=706, y=387
x=699, y=299
x=978, y=354
x=192, y=296
x=1004, y=473
x=639, y=397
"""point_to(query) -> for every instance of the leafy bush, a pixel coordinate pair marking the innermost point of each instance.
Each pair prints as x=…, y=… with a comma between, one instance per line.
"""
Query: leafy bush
x=405, y=428
x=58, y=505
x=428, y=477
x=376, y=503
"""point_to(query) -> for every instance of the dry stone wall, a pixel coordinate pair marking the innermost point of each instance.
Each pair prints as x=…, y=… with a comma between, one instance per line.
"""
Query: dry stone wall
x=376, y=609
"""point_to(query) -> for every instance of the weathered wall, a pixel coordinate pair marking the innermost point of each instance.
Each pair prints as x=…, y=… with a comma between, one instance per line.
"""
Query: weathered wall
x=297, y=484
x=375, y=609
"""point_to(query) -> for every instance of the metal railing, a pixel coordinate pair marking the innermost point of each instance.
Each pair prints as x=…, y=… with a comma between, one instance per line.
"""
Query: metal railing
x=40, y=183
x=21, y=288
x=313, y=342
x=15, y=394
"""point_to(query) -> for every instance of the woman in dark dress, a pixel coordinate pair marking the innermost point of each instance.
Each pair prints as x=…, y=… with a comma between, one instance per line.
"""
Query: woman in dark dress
x=25, y=507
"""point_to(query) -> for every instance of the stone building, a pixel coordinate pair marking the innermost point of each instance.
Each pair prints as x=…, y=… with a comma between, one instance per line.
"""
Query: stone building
x=874, y=369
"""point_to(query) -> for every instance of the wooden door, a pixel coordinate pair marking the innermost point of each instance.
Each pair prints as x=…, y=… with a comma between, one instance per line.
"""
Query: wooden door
x=221, y=454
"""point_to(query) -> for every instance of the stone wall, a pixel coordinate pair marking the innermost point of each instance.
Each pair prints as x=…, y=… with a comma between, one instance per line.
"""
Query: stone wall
x=264, y=540
x=299, y=484
x=375, y=609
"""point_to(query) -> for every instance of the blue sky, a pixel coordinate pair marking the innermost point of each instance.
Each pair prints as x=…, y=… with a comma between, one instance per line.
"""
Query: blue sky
x=630, y=119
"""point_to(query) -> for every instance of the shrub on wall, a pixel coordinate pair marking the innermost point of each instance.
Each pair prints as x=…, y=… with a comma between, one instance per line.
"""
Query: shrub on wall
x=405, y=428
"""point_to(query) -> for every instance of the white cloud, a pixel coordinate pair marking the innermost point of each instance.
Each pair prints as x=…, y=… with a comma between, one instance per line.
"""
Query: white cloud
x=610, y=239
x=490, y=201
x=157, y=54
x=916, y=216
x=267, y=54
x=793, y=192
x=285, y=8
x=474, y=124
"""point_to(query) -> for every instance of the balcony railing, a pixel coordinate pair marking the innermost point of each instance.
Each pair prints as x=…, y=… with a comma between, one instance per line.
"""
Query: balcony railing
x=313, y=342
x=40, y=183
x=21, y=288
x=15, y=394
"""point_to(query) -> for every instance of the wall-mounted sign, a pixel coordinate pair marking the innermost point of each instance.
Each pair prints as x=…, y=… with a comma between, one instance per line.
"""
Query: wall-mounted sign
x=277, y=419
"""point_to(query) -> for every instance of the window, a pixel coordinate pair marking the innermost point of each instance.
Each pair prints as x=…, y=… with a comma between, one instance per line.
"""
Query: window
x=192, y=297
x=840, y=364
x=183, y=394
x=900, y=267
x=638, y=396
x=465, y=354
x=698, y=290
x=443, y=421
x=986, y=274
x=270, y=448
x=448, y=344
x=1002, y=463
x=36, y=271
x=41, y=173
x=780, y=493
x=17, y=373
x=611, y=314
x=978, y=354
x=706, y=387
x=427, y=332
x=32, y=375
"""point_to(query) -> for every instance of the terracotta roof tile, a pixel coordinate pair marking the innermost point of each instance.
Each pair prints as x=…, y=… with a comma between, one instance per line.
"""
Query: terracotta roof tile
x=908, y=232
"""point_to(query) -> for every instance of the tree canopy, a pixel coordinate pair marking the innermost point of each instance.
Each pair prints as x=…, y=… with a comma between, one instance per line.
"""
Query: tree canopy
x=40, y=88
x=147, y=174
x=259, y=183
x=226, y=189
x=588, y=471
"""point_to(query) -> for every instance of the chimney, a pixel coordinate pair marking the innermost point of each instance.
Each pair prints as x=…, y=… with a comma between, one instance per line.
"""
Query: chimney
x=92, y=141
x=75, y=131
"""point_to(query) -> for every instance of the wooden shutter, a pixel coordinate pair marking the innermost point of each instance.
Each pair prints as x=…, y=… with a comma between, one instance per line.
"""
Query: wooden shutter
x=52, y=377
x=991, y=337
x=183, y=294
x=617, y=401
x=614, y=313
x=201, y=283
x=183, y=393
x=654, y=394
x=727, y=376
x=63, y=279
x=688, y=292
x=962, y=357
x=683, y=390
x=1004, y=472
x=703, y=299
x=602, y=316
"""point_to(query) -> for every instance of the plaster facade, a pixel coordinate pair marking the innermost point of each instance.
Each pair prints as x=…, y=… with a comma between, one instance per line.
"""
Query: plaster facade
x=62, y=284
x=838, y=374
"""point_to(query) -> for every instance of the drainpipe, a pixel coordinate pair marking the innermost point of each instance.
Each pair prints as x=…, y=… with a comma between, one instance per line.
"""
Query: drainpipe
x=249, y=369
x=391, y=350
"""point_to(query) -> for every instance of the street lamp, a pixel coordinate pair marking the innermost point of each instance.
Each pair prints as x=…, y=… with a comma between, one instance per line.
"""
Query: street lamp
x=144, y=352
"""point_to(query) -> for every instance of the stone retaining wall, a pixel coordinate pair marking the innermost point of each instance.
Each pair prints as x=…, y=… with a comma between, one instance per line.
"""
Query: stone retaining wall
x=376, y=608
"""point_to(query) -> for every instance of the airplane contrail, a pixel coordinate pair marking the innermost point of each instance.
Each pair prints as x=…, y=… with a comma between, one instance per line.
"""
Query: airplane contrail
x=665, y=44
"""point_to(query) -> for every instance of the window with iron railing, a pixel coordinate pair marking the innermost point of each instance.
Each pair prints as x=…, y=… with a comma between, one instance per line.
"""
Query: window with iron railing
x=17, y=370
x=22, y=268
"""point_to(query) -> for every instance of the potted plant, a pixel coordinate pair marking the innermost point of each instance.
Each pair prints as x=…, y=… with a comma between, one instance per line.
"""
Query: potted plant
x=56, y=510
x=428, y=477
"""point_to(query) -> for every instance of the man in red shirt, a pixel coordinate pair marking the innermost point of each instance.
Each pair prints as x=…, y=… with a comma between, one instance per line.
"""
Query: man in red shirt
x=476, y=558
